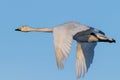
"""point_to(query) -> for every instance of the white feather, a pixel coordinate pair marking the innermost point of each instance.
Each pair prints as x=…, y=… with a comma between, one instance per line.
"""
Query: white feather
x=84, y=57
x=63, y=36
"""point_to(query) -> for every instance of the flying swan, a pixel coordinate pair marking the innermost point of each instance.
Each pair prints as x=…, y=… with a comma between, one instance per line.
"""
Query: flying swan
x=86, y=37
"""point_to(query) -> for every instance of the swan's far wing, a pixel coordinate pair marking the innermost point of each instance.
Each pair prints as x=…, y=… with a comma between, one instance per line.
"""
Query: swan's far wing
x=84, y=57
x=62, y=46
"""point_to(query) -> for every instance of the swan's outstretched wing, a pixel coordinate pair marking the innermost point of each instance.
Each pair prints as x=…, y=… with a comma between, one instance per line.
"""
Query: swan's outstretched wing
x=63, y=36
x=84, y=57
x=62, y=45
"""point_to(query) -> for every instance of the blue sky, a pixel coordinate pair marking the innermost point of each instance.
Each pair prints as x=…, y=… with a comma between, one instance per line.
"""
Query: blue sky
x=30, y=56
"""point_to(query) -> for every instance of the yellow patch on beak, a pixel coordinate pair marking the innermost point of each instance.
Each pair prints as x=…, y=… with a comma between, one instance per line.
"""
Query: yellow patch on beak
x=20, y=28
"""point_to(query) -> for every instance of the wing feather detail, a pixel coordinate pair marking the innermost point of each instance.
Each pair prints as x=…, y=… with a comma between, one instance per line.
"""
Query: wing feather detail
x=84, y=57
x=62, y=46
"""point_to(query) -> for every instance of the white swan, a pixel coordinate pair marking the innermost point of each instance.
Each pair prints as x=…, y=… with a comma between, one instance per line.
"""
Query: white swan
x=86, y=37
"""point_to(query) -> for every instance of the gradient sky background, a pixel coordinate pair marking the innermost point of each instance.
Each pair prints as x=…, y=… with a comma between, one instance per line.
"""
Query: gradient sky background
x=30, y=56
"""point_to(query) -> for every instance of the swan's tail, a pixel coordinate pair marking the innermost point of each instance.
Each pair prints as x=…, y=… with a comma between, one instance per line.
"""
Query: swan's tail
x=103, y=38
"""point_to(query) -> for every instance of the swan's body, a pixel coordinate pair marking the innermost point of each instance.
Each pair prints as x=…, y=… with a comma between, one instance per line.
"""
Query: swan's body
x=86, y=37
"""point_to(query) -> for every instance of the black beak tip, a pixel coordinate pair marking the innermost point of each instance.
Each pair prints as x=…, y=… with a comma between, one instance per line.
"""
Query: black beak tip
x=17, y=30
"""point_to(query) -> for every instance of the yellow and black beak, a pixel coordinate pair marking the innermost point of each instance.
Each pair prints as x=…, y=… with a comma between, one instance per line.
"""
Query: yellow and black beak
x=18, y=29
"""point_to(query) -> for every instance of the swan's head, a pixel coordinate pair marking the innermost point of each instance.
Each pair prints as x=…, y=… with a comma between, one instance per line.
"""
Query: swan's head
x=23, y=29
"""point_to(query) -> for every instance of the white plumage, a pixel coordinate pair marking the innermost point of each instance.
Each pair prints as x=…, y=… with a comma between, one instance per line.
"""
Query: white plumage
x=86, y=37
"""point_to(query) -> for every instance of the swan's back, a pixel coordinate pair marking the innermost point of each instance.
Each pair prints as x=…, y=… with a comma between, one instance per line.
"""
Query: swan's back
x=71, y=27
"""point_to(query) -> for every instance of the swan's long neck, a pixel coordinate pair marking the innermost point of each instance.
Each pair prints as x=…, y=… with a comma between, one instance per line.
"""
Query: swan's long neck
x=41, y=29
